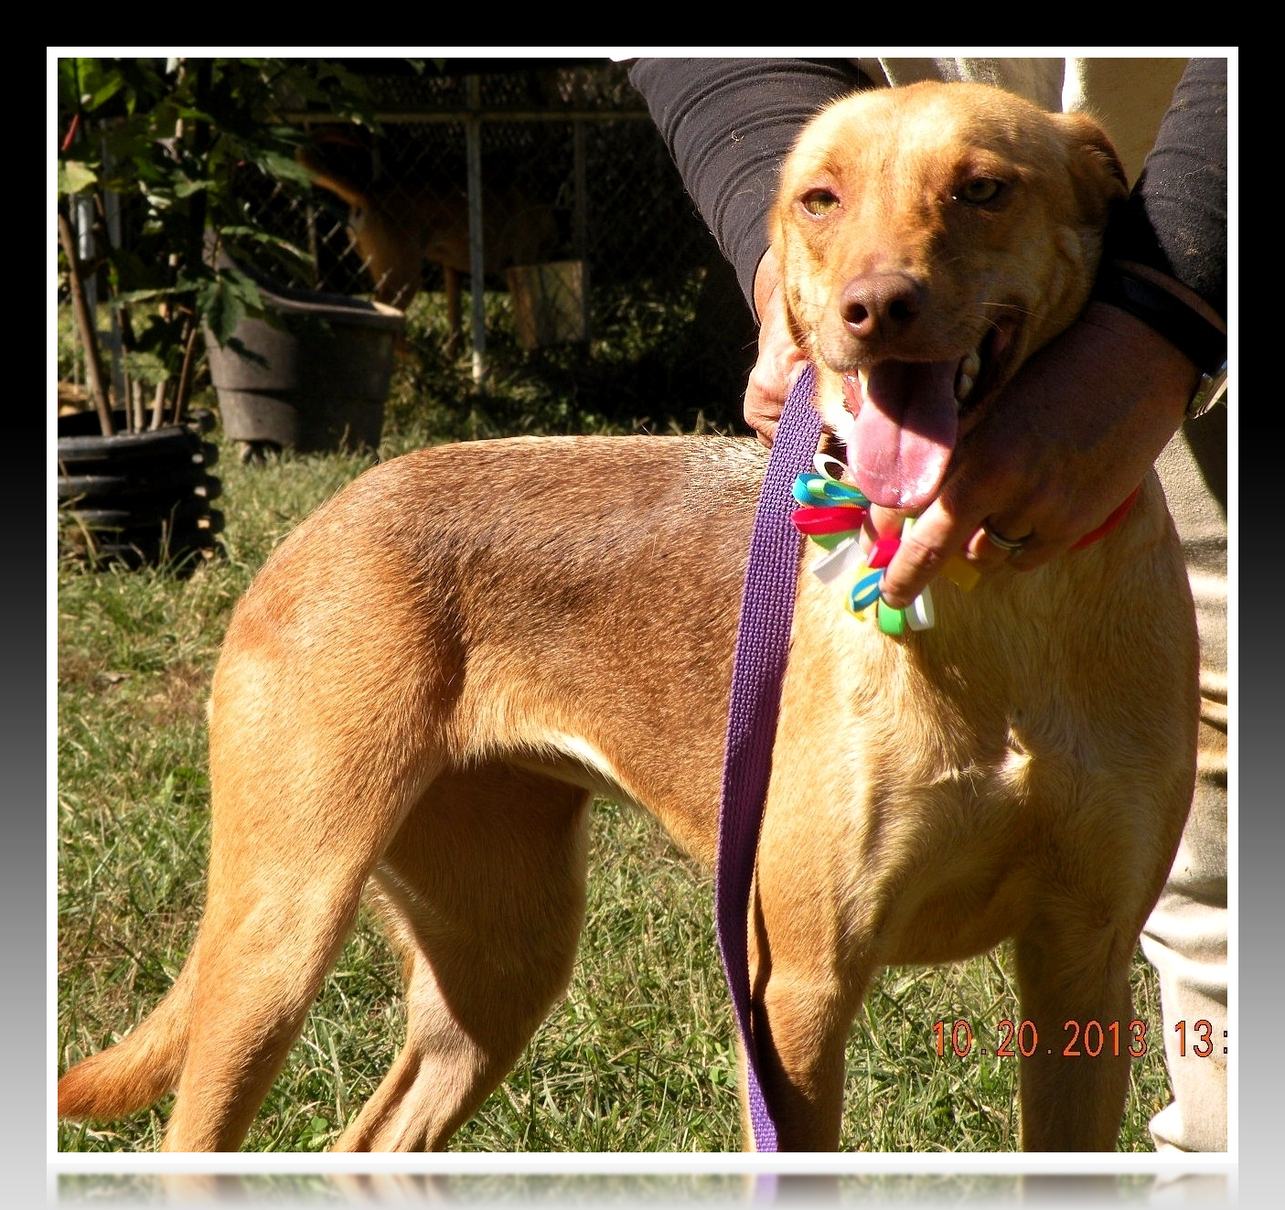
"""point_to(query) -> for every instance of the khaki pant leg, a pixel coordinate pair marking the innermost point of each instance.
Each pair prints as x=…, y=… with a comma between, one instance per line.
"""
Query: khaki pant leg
x=1186, y=936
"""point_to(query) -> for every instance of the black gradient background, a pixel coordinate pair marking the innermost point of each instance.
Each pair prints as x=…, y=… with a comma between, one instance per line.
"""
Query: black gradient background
x=27, y=1040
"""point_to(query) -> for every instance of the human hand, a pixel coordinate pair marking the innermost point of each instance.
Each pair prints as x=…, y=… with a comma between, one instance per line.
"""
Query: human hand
x=779, y=358
x=1062, y=446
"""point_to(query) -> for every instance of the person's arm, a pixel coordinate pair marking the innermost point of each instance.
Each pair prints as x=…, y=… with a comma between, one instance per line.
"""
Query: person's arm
x=729, y=123
x=1175, y=221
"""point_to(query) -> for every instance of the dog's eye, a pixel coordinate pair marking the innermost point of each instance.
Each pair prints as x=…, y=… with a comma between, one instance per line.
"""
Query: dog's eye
x=979, y=190
x=820, y=202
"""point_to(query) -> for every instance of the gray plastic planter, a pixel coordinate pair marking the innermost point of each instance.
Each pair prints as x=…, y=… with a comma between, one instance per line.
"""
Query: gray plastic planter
x=317, y=383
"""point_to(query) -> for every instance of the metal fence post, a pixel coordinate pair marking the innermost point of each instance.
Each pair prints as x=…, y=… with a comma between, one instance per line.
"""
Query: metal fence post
x=476, y=251
x=581, y=212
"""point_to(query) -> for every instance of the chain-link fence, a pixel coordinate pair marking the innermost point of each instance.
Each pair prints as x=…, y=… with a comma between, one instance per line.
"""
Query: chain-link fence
x=571, y=176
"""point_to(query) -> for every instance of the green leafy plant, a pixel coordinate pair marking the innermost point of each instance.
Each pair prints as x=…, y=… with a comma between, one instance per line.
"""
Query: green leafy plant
x=154, y=158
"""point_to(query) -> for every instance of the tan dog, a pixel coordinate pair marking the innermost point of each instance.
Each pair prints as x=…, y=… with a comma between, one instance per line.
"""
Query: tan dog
x=421, y=693
x=396, y=226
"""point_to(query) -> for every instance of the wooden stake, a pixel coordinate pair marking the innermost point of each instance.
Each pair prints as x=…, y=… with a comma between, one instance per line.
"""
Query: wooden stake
x=86, y=328
x=137, y=412
x=158, y=403
x=187, y=371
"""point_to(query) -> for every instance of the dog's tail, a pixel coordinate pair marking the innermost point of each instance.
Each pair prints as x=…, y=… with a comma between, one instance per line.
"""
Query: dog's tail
x=138, y=1070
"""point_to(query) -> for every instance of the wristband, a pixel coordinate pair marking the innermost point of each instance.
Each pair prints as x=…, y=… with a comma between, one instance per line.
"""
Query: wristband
x=1211, y=389
x=1188, y=331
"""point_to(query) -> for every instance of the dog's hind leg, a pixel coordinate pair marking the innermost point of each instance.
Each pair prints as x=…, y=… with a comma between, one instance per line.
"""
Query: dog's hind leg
x=223, y=1029
x=319, y=746
x=257, y=974
x=298, y=823
x=290, y=856
x=483, y=889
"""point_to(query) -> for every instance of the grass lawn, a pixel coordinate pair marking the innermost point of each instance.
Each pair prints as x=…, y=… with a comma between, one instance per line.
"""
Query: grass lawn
x=639, y=1055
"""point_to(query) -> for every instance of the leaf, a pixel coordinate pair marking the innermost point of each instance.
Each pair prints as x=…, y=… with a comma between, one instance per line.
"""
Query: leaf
x=136, y=296
x=69, y=83
x=105, y=92
x=245, y=288
x=189, y=187
x=146, y=367
x=75, y=176
x=284, y=168
x=222, y=304
x=222, y=317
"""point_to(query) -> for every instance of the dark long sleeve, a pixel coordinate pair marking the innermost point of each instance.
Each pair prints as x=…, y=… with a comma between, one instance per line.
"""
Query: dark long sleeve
x=728, y=124
x=1176, y=218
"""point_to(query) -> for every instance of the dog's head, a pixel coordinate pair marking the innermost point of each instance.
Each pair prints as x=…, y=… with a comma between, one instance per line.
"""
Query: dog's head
x=931, y=238
x=385, y=233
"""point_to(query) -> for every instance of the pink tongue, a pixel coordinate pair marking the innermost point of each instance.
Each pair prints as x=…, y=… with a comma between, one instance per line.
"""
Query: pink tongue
x=905, y=431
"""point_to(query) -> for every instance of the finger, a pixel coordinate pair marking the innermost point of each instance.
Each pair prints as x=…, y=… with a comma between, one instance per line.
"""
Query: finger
x=779, y=359
x=770, y=382
x=999, y=543
x=987, y=553
x=934, y=538
x=1036, y=553
x=984, y=553
x=762, y=405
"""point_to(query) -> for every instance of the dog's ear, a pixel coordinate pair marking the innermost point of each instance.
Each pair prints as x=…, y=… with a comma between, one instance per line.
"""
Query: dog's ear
x=1096, y=170
x=780, y=243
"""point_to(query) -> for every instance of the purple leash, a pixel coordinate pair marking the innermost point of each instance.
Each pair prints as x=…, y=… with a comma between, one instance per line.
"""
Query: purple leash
x=762, y=649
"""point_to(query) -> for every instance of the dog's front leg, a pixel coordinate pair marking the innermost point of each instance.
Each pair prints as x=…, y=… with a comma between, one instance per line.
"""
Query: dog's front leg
x=802, y=1005
x=1077, y=1020
x=801, y=1024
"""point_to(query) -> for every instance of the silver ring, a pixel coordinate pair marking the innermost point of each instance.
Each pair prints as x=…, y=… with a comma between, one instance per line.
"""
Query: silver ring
x=1012, y=545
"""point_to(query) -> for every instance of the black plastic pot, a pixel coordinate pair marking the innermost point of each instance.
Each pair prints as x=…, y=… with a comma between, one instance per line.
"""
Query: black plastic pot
x=319, y=382
x=136, y=498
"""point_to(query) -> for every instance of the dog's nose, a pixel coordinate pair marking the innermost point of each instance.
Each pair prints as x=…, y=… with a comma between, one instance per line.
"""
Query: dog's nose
x=880, y=306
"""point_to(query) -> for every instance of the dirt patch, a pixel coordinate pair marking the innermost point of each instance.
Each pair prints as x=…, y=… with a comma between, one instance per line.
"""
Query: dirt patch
x=176, y=695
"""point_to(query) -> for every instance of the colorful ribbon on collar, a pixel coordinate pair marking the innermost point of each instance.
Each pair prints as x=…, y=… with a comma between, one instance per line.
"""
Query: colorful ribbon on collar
x=831, y=514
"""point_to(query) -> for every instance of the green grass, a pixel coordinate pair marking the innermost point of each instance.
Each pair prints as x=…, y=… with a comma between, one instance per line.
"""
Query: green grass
x=639, y=1054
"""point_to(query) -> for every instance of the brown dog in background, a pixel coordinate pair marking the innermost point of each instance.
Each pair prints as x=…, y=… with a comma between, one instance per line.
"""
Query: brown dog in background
x=398, y=225
x=421, y=693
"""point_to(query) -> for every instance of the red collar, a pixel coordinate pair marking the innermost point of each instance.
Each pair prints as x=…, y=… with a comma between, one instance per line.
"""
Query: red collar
x=1111, y=522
